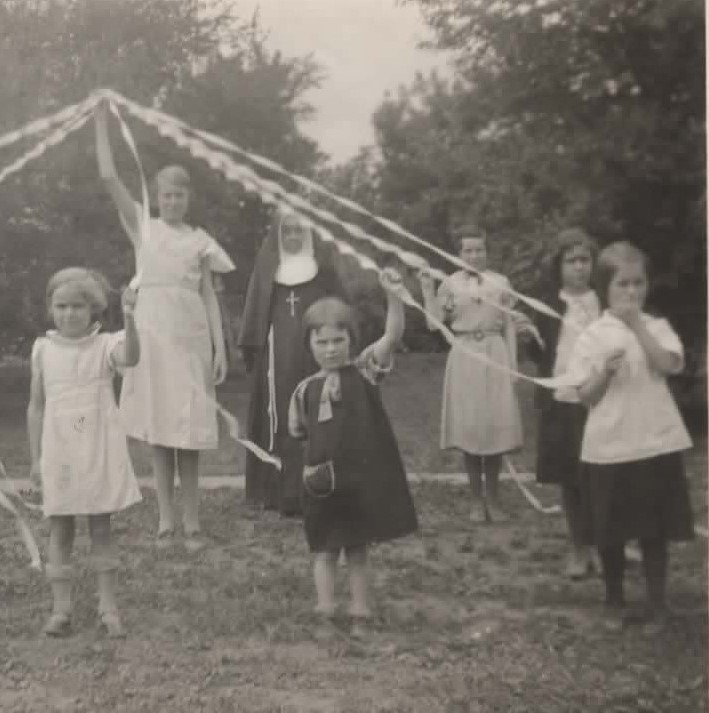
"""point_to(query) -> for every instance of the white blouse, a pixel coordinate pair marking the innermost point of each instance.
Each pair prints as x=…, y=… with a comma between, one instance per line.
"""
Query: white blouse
x=637, y=417
x=581, y=310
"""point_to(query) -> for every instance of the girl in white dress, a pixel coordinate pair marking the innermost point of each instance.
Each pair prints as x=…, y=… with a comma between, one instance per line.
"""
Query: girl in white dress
x=77, y=445
x=168, y=401
x=480, y=413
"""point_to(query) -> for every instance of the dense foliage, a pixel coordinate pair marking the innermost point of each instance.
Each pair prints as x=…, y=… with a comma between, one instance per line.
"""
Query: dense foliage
x=196, y=60
x=558, y=112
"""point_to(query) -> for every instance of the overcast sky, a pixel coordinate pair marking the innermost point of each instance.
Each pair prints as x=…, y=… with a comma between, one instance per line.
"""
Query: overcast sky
x=366, y=47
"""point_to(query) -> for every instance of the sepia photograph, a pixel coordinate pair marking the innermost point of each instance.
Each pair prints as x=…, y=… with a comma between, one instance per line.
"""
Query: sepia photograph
x=353, y=356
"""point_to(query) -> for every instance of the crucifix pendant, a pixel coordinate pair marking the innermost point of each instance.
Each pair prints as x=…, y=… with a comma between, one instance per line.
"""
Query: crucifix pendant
x=291, y=300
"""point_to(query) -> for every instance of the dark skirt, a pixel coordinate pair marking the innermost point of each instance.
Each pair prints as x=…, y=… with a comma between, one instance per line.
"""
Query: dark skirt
x=559, y=443
x=645, y=499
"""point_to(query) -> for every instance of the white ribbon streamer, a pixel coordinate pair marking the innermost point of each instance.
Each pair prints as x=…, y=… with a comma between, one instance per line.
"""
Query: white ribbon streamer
x=45, y=123
x=56, y=137
x=25, y=530
x=173, y=128
x=272, y=194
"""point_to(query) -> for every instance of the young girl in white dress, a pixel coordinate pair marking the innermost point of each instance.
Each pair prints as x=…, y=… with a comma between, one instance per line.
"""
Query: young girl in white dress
x=480, y=411
x=167, y=401
x=77, y=445
x=634, y=436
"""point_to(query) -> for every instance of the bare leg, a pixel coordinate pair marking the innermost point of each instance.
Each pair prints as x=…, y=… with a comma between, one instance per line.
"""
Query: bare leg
x=493, y=464
x=105, y=563
x=474, y=468
x=324, y=569
x=59, y=573
x=164, y=469
x=359, y=584
x=188, y=467
x=580, y=563
x=613, y=563
x=655, y=559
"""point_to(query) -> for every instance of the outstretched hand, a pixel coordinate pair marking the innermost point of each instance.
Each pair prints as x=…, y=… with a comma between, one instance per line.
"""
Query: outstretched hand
x=393, y=284
x=128, y=300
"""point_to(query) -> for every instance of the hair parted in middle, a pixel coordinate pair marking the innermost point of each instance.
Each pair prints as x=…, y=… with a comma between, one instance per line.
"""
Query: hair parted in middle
x=91, y=284
x=331, y=312
x=610, y=260
x=567, y=239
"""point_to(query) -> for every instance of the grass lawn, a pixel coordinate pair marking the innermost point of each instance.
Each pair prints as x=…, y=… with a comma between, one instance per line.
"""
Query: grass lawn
x=469, y=618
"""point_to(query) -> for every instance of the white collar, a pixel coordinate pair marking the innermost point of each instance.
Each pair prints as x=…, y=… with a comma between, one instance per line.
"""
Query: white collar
x=587, y=299
x=296, y=269
x=54, y=335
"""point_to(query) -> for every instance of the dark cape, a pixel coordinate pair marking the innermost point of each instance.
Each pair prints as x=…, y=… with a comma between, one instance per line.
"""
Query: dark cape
x=372, y=502
x=267, y=306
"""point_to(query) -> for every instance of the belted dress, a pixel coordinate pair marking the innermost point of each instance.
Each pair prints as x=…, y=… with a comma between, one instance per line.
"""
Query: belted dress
x=480, y=412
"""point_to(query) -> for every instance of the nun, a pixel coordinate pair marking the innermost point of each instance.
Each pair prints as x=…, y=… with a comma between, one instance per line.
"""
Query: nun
x=293, y=270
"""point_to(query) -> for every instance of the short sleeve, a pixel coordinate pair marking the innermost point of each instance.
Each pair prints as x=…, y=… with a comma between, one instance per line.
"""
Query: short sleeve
x=667, y=338
x=445, y=295
x=36, y=356
x=214, y=255
x=113, y=341
x=506, y=296
x=369, y=368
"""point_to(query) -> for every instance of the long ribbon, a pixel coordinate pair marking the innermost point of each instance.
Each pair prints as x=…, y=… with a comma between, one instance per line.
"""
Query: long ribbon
x=24, y=529
x=272, y=194
x=40, y=125
x=174, y=128
x=527, y=493
x=75, y=122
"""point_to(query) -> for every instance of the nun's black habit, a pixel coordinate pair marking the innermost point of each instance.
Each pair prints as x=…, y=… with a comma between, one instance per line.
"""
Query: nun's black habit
x=276, y=357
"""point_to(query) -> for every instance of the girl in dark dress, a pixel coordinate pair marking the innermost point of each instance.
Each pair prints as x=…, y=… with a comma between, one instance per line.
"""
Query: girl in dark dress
x=561, y=415
x=339, y=414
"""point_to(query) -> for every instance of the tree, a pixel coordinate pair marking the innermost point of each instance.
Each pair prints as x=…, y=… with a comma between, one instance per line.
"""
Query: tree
x=210, y=68
x=589, y=112
x=616, y=88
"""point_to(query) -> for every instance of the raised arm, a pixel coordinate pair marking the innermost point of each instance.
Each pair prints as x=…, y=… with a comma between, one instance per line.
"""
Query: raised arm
x=383, y=348
x=126, y=206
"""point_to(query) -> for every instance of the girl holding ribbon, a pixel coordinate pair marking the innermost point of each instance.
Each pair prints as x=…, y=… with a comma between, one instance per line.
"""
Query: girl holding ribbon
x=480, y=414
x=168, y=400
x=354, y=485
x=78, y=448
x=634, y=435
x=561, y=414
